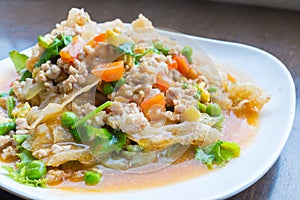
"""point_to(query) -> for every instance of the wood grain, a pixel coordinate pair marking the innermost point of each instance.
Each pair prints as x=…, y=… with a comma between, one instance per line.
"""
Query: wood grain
x=276, y=31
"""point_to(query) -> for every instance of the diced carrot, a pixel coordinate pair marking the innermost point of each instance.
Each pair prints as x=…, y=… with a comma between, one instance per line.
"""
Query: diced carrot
x=193, y=73
x=157, y=100
x=100, y=37
x=183, y=65
x=231, y=78
x=173, y=64
x=163, y=82
x=70, y=52
x=109, y=71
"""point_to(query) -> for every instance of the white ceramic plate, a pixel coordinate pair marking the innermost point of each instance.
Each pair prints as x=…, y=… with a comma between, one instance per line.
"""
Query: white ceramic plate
x=266, y=71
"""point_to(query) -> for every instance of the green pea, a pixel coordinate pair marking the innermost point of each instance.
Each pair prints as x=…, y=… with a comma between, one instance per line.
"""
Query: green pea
x=10, y=104
x=159, y=46
x=6, y=127
x=212, y=89
x=108, y=88
x=187, y=51
x=185, y=86
x=35, y=170
x=202, y=107
x=68, y=119
x=92, y=178
x=214, y=110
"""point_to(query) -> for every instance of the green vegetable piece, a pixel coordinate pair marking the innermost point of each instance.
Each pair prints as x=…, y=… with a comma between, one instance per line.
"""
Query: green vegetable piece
x=118, y=84
x=185, y=86
x=4, y=94
x=219, y=124
x=92, y=178
x=11, y=91
x=19, y=175
x=92, y=114
x=6, y=127
x=105, y=142
x=218, y=153
x=134, y=148
x=35, y=170
x=187, y=51
x=43, y=41
x=52, y=51
x=10, y=105
x=25, y=74
x=68, y=119
x=212, y=89
x=18, y=59
x=127, y=48
x=202, y=107
x=159, y=46
x=75, y=134
x=214, y=110
x=139, y=56
x=108, y=88
x=25, y=158
x=20, y=138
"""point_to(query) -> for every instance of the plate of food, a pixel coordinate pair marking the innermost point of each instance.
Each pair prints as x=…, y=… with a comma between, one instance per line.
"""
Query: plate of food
x=128, y=111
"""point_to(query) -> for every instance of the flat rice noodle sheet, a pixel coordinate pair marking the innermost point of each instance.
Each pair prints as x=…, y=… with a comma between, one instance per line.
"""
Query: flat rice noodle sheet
x=53, y=108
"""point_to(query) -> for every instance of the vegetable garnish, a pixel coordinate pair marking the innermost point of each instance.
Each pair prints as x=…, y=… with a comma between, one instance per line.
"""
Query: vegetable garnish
x=52, y=51
x=19, y=61
x=91, y=114
x=156, y=102
x=70, y=52
x=109, y=71
x=6, y=127
x=218, y=153
x=29, y=170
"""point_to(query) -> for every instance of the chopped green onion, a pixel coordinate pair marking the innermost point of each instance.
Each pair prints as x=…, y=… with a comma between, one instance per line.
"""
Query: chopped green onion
x=10, y=104
x=91, y=114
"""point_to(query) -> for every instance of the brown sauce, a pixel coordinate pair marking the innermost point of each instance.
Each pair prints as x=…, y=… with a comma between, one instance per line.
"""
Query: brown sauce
x=186, y=168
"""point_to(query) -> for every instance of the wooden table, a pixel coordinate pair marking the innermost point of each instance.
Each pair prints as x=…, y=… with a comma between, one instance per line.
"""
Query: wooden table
x=276, y=31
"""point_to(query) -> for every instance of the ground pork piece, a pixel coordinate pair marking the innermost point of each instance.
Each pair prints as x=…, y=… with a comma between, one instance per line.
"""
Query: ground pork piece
x=3, y=117
x=55, y=176
x=5, y=140
x=67, y=85
x=181, y=98
x=20, y=88
x=21, y=124
x=3, y=103
x=8, y=153
x=51, y=71
x=129, y=120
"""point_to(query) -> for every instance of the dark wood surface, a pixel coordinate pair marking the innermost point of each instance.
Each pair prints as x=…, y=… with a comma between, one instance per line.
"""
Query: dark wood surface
x=276, y=31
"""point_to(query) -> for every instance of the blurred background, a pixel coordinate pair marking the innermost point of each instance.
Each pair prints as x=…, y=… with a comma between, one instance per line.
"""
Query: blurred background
x=281, y=4
x=272, y=25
